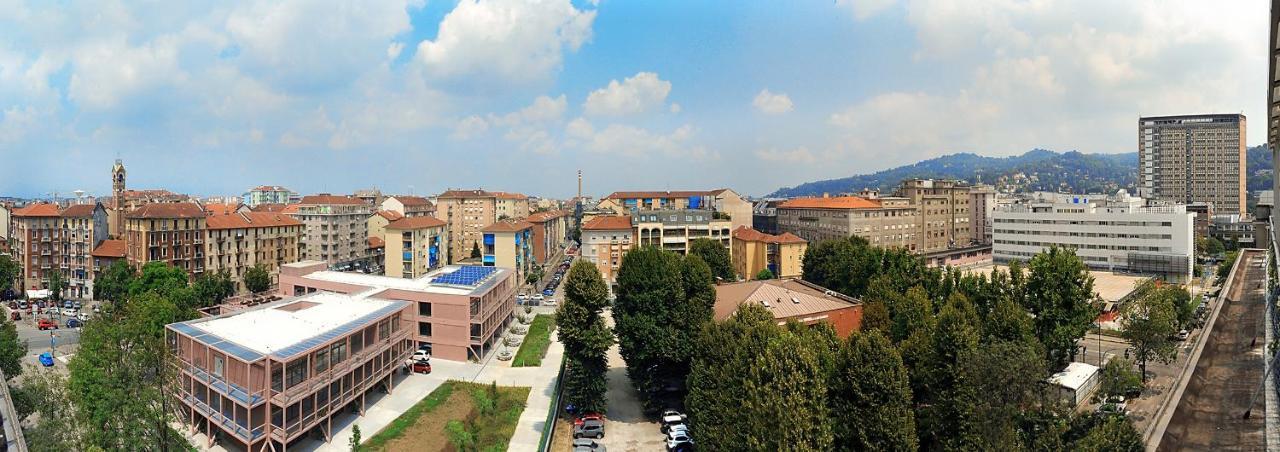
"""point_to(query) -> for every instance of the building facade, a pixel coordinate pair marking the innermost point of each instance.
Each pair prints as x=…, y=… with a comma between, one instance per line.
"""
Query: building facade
x=409, y=206
x=1193, y=158
x=266, y=376
x=725, y=201
x=884, y=222
x=415, y=246
x=792, y=300
x=982, y=203
x=508, y=244
x=943, y=213
x=240, y=241
x=377, y=223
x=753, y=251
x=1116, y=233
x=269, y=194
x=173, y=233
x=605, y=239
x=550, y=231
x=337, y=231
x=34, y=239
x=83, y=227
x=459, y=311
x=107, y=254
x=510, y=206
x=672, y=230
x=467, y=212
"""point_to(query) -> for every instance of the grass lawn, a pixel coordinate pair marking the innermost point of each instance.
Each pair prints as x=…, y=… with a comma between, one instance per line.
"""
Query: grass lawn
x=535, y=344
x=425, y=426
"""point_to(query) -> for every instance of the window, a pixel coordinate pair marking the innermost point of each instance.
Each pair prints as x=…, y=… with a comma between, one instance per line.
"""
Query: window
x=217, y=366
x=296, y=372
x=338, y=352
x=424, y=329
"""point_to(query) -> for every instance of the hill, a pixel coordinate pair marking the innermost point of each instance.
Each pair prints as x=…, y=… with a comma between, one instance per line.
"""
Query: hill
x=1035, y=170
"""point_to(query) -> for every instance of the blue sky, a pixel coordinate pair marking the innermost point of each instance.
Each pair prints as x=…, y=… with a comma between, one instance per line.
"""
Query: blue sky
x=213, y=98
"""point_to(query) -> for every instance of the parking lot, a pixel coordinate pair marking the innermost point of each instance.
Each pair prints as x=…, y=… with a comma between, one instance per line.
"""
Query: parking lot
x=62, y=341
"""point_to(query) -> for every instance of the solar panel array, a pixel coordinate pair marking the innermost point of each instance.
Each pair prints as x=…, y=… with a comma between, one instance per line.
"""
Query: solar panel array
x=467, y=275
x=341, y=330
x=218, y=342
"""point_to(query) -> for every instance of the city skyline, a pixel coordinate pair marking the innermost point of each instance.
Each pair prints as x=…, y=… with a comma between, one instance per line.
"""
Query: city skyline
x=411, y=97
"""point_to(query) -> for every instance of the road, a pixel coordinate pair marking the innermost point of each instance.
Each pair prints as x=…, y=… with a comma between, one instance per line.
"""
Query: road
x=628, y=429
x=1209, y=414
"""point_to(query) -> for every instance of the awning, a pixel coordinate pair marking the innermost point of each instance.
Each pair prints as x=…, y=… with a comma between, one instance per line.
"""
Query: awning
x=37, y=294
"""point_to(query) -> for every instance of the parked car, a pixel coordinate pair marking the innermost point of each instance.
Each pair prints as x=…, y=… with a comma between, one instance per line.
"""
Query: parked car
x=422, y=367
x=671, y=418
x=46, y=324
x=77, y=305
x=1116, y=409
x=549, y=302
x=591, y=428
x=587, y=417
x=74, y=323
x=680, y=441
x=46, y=359
x=587, y=445
x=536, y=297
x=421, y=355
x=69, y=312
x=84, y=316
x=1182, y=335
x=67, y=304
x=548, y=292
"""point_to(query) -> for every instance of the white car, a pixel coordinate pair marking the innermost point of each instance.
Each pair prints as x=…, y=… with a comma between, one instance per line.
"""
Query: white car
x=549, y=302
x=421, y=355
x=537, y=297
x=69, y=312
x=83, y=316
x=678, y=440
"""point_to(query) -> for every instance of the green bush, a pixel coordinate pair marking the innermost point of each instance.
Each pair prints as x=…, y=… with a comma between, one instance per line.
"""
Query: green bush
x=535, y=343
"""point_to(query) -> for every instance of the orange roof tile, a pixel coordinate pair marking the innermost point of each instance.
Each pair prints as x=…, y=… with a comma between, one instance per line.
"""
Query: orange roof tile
x=751, y=235
x=168, y=210
x=508, y=226
x=79, y=211
x=838, y=202
x=390, y=215
x=109, y=248
x=505, y=195
x=659, y=194
x=268, y=207
x=288, y=209
x=608, y=223
x=542, y=217
x=416, y=223
x=220, y=209
x=325, y=198
x=412, y=201
x=37, y=210
x=377, y=242
x=465, y=194
x=246, y=220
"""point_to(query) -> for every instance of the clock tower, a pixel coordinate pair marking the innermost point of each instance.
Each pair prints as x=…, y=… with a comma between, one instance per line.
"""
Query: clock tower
x=117, y=197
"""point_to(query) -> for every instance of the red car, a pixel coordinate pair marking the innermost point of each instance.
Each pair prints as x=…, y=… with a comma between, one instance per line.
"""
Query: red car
x=588, y=417
x=422, y=367
x=46, y=324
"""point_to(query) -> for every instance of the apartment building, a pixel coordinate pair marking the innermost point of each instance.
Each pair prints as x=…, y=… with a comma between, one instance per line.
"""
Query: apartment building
x=725, y=201
x=239, y=241
x=672, y=230
x=1193, y=158
x=415, y=246
x=1204, y=217
x=467, y=212
x=377, y=223
x=83, y=227
x=510, y=206
x=4, y=223
x=107, y=254
x=982, y=203
x=269, y=194
x=261, y=378
x=460, y=311
x=792, y=300
x=764, y=215
x=173, y=233
x=409, y=206
x=943, y=209
x=337, y=231
x=550, y=230
x=884, y=222
x=605, y=239
x=1113, y=233
x=508, y=244
x=753, y=251
x=1273, y=103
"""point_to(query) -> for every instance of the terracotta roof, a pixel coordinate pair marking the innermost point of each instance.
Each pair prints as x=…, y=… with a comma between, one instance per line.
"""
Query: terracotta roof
x=452, y=193
x=268, y=207
x=390, y=215
x=37, y=210
x=787, y=298
x=325, y=198
x=289, y=209
x=220, y=209
x=508, y=226
x=168, y=210
x=658, y=194
x=505, y=195
x=413, y=201
x=109, y=248
x=542, y=217
x=151, y=194
x=608, y=223
x=377, y=242
x=838, y=202
x=79, y=211
x=247, y=220
x=751, y=235
x=416, y=223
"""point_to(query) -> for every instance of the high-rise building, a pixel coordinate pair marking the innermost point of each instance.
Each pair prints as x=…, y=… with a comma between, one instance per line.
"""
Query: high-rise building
x=467, y=212
x=337, y=230
x=605, y=239
x=166, y=232
x=46, y=241
x=510, y=206
x=550, y=230
x=237, y=242
x=982, y=202
x=1193, y=158
x=83, y=227
x=508, y=244
x=269, y=194
x=944, y=216
x=885, y=222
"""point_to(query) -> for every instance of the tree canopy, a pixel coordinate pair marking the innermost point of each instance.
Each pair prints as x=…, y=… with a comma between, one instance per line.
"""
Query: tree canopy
x=113, y=284
x=9, y=271
x=257, y=279
x=585, y=336
x=1059, y=292
x=1148, y=322
x=716, y=255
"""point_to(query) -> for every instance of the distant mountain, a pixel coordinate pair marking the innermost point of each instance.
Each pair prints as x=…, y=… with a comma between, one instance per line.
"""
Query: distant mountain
x=1035, y=170
x=1258, y=166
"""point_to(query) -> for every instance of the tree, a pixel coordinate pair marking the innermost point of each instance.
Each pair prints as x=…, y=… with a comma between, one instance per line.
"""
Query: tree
x=1224, y=267
x=212, y=288
x=9, y=271
x=764, y=274
x=1119, y=378
x=12, y=349
x=57, y=283
x=716, y=384
x=1209, y=246
x=56, y=426
x=715, y=255
x=475, y=250
x=913, y=313
x=871, y=397
x=1111, y=434
x=257, y=279
x=1059, y=293
x=947, y=395
x=354, y=442
x=786, y=382
x=875, y=317
x=114, y=283
x=585, y=336
x=535, y=274
x=1006, y=376
x=1147, y=324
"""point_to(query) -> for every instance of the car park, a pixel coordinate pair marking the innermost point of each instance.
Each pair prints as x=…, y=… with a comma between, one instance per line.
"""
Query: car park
x=46, y=324
x=591, y=428
x=587, y=445
x=680, y=441
x=74, y=323
x=587, y=417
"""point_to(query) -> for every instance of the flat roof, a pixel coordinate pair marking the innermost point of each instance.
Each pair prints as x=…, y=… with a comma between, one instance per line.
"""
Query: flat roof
x=785, y=298
x=294, y=325
x=1074, y=375
x=1109, y=286
x=450, y=280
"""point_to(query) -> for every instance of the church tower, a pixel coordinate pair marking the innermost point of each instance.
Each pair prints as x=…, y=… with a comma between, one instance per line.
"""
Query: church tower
x=117, y=197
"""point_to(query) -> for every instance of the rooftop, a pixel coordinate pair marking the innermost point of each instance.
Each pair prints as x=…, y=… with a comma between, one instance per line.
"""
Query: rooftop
x=270, y=188
x=542, y=217
x=837, y=202
x=269, y=207
x=325, y=198
x=785, y=298
x=507, y=226
x=416, y=223
x=168, y=210
x=412, y=201
x=377, y=242
x=245, y=220
x=465, y=194
x=390, y=215
x=748, y=234
x=221, y=209
x=79, y=210
x=608, y=223
x=37, y=210
x=109, y=248
x=450, y=280
x=289, y=327
x=661, y=194
x=1074, y=375
x=505, y=195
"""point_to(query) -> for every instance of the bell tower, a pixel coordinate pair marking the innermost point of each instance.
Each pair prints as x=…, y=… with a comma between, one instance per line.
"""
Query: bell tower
x=117, y=197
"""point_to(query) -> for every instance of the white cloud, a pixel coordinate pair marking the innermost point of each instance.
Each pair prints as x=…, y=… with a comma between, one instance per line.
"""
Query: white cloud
x=542, y=109
x=393, y=50
x=636, y=94
x=506, y=40
x=675, y=108
x=862, y=9
x=771, y=103
x=632, y=141
x=469, y=127
x=797, y=155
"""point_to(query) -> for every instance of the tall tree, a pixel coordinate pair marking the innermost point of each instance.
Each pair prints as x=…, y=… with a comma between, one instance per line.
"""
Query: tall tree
x=57, y=283
x=9, y=271
x=914, y=312
x=716, y=384
x=786, y=381
x=1111, y=434
x=56, y=426
x=257, y=279
x=871, y=397
x=585, y=336
x=1006, y=376
x=1147, y=324
x=1059, y=293
x=1119, y=378
x=948, y=402
x=211, y=288
x=114, y=283
x=12, y=349
x=716, y=256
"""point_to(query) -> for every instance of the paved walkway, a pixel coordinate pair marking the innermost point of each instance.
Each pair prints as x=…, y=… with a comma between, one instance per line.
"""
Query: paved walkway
x=628, y=429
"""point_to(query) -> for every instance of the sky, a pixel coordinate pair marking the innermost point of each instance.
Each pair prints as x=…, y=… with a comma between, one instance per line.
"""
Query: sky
x=414, y=96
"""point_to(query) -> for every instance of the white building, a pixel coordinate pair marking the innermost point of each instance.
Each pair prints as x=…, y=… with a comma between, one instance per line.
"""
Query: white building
x=1113, y=233
x=1077, y=382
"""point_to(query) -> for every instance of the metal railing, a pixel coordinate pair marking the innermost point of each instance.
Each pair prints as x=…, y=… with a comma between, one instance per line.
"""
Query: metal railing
x=549, y=425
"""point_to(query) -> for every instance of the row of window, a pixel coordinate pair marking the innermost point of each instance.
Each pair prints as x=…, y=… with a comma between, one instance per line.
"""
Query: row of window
x=1085, y=246
x=1086, y=234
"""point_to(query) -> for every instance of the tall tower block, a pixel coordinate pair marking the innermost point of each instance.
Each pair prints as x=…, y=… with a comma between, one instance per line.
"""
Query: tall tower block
x=117, y=197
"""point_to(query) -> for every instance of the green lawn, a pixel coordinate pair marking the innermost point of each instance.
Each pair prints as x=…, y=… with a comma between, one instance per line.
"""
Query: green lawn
x=535, y=344
x=410, y=417
x=455, y=413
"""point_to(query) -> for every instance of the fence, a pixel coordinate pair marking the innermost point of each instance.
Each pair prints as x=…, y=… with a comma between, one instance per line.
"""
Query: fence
x=549, y=428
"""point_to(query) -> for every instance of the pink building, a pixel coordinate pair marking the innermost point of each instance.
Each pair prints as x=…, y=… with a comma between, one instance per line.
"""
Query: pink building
x=459, y=311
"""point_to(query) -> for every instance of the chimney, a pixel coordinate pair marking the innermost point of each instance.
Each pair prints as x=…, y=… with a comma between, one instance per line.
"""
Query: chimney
x=826, y=195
